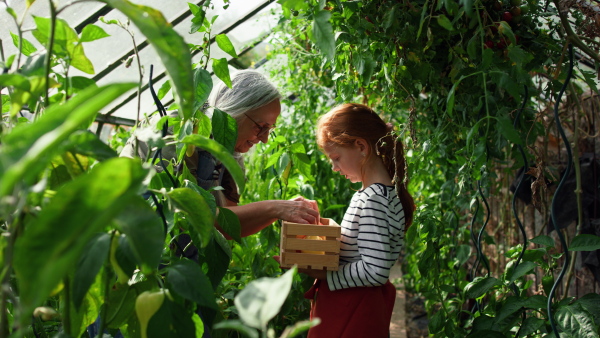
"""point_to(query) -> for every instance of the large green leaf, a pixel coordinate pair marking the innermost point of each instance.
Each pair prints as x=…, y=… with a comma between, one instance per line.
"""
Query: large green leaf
x=197, y=211
x=585, y=242
x=187, y=279
x=145, y=233
x=29, y=147
x=86, y=143
x=479, y=286
x=222, y=154
x=230, y=223
x=170, y=46
x=575, y=321
x=224, y=128
x=591, y=303
x=262, y=299
x=90, y=263
x=323, y=35
x=217, y=256
x=52, y=243
x=521, y=270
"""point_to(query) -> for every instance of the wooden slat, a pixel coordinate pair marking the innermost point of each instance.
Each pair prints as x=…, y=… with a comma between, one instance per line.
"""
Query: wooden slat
x=310, y=244
x=304, y=260
x=311, y=230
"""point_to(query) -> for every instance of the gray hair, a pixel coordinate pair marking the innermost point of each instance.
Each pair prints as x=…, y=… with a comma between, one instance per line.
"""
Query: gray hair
x=250, y=90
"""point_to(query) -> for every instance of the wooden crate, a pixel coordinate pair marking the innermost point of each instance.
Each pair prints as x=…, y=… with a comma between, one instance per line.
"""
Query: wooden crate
x=326, y=253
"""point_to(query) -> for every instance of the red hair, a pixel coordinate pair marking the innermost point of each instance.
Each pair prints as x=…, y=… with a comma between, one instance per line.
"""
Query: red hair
x=346, y=123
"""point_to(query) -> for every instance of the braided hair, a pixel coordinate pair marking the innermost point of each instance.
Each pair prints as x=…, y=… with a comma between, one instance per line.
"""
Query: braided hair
x=346, y=123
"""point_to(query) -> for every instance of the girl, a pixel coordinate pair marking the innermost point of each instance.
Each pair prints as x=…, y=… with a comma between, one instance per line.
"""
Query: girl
x=357, y=300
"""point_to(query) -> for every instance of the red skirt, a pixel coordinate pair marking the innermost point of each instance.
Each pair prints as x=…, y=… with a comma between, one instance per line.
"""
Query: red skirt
x=355, y=312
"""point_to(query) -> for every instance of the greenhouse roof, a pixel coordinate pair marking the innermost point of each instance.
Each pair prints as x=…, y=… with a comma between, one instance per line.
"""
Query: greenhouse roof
x=246, y=23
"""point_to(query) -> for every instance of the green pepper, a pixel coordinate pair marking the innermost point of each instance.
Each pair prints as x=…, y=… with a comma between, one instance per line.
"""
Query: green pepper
x=548, y=283
x=146, y=305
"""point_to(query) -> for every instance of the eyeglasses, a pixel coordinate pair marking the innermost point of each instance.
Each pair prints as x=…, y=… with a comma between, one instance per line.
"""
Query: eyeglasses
x=262, y=130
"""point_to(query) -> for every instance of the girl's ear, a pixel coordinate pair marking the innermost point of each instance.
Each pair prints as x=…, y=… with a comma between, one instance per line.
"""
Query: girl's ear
x=362, y=145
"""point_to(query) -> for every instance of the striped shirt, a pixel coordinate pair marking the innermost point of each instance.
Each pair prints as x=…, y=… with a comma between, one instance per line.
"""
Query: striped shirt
x=372, y=236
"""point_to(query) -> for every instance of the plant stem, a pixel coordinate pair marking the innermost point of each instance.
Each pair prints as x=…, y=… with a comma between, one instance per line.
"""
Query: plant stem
x=66, y=316
x=572, y=36
x=578, y=189
x=48, y=60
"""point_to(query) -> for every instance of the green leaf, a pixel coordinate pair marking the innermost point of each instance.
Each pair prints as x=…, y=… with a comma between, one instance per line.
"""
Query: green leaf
x=262, y=299
x=198, y=19
x=93, y=256
x=145, y=233
x=443, y=21
x=224, y=128
x=29, y=147
x=170, y=46
x=462, y=254
x=87, y=143
x=479, y=286
x=186, y=278
x=120, y=304
x=221, y=154
x=15, y=80
x=511, y=306
x=237, y=325
x=27, y=48
x=370, y=65
x=389, y=17
x=468, y=6
x=585, y=242
x=575, y=321
x=92, y=32
x=165, y=88
x=216, y=257
x=322, y=34
x=197, y=211
x=436, y=322
x=221, y=69
x=203, y=84
x=543, y=240
x=521, y=270
x=505, y=29
x=208, y=197
x=293, y=4
x=591, y=303
x=42, y=255
x=505, y=127
x=171, y=320
x=230, y=224
x=225, y=44
x=530, y=326
x=300, y=327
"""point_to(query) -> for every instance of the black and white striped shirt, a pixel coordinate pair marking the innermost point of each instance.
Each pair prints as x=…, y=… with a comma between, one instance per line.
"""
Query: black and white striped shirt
x=372, y=236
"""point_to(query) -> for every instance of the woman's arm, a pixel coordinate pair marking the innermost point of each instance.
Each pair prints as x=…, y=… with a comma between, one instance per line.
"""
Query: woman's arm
x=258, y=215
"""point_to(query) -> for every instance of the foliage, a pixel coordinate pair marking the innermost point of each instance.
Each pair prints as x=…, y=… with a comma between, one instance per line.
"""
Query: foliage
x=452, y=77
x=87, y=235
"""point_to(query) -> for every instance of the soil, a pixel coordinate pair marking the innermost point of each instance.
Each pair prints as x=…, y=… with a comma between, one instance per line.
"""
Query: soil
x=416, y=317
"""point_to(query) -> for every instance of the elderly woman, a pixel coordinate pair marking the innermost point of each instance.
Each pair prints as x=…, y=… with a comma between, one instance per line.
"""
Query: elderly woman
x=255, y=104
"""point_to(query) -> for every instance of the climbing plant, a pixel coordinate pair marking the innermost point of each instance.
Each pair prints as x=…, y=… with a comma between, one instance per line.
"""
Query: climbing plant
x=466, y=83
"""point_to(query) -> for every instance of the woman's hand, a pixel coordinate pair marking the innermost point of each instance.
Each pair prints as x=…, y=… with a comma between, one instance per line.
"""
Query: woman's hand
x=299, y=210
